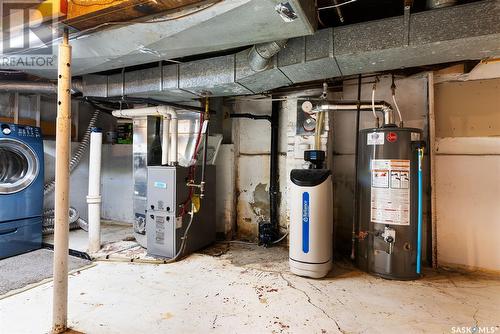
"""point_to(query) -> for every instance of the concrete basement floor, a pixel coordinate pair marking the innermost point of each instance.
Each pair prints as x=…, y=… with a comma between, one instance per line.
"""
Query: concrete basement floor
x=247, y=289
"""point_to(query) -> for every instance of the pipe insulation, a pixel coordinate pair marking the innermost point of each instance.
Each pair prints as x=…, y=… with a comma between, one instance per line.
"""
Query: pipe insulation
x=164, y=112
x=94, y=194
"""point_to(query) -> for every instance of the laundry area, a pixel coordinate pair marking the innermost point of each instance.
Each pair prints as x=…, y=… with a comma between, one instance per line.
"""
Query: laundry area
x=250, y=166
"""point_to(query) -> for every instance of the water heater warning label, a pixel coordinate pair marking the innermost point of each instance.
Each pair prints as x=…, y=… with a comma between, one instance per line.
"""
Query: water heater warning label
x=390, y=192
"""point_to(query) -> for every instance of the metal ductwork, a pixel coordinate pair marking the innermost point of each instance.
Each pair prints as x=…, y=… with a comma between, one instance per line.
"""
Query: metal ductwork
x=260, y=55
x=214, y=25
x=456, y=33
x=28, y=87
x=35, y=87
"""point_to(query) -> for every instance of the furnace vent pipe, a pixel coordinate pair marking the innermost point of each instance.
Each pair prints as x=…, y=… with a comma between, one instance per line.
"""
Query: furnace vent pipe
x=165, y=149
x=94, y=194
x=260, y=54
x=168, y=114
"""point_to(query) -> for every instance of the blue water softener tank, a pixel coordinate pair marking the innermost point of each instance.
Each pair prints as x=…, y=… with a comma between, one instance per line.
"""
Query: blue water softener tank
x=311, y=218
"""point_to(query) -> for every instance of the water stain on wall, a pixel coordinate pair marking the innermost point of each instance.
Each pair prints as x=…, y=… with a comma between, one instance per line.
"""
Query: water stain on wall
x=260, y=204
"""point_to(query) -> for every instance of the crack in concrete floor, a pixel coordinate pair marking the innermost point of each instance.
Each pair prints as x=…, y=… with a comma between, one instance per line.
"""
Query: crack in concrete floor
x=309, y=300
x=250, y=290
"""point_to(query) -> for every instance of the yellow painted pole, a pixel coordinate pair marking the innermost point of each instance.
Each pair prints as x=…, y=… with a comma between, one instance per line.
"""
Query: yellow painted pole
x=63, y=150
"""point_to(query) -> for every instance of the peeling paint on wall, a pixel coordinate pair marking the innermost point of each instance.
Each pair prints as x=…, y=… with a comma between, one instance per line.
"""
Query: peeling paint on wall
x=260, y=204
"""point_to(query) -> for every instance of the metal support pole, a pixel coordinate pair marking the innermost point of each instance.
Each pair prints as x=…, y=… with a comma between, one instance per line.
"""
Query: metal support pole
x=63, y=148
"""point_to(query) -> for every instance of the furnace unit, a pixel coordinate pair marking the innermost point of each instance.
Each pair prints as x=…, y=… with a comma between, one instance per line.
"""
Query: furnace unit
x=167, y=215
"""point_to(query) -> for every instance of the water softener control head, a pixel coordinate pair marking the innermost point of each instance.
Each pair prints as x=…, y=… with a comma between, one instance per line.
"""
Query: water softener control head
x=315, y=157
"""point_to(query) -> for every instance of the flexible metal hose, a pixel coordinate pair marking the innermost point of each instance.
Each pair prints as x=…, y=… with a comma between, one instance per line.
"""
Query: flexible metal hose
x=74, y=216
x=77, y=156
x=75, y=221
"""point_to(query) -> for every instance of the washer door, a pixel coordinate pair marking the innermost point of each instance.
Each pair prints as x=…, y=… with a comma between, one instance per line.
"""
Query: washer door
x=19, y=166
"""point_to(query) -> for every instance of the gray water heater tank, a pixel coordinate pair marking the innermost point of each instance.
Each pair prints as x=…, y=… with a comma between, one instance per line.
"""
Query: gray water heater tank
x=388, y=165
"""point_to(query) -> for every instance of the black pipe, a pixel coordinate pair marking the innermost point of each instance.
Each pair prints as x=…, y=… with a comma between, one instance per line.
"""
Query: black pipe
x=274, y=170
x=252, y=116
x=356, y=150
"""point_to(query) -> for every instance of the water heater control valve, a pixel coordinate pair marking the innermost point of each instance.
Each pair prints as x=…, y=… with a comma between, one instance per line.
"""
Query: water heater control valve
x=389, y=236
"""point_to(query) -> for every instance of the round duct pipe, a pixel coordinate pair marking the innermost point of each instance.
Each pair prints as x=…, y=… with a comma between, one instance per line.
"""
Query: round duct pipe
x=432, y=4
x=260, y=54
x=36, y=87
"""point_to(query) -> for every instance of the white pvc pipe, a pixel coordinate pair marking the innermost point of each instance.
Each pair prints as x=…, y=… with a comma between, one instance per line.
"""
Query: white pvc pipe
x=94, y=194
x=164, y=111
x=175, y=126
x=165, y=158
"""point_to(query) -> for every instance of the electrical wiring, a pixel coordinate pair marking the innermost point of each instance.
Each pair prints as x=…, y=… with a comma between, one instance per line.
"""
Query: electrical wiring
x=282, y=238
x=397, y=108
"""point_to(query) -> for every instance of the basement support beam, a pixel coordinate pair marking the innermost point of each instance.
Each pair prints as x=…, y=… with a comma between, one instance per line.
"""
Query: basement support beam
x=61, y=228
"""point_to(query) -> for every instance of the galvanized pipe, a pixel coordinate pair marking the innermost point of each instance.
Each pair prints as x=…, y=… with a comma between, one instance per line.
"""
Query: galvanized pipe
x=63, y=149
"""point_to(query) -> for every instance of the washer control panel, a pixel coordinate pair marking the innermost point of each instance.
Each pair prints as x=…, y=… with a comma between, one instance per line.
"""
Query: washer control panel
x=20, y=130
